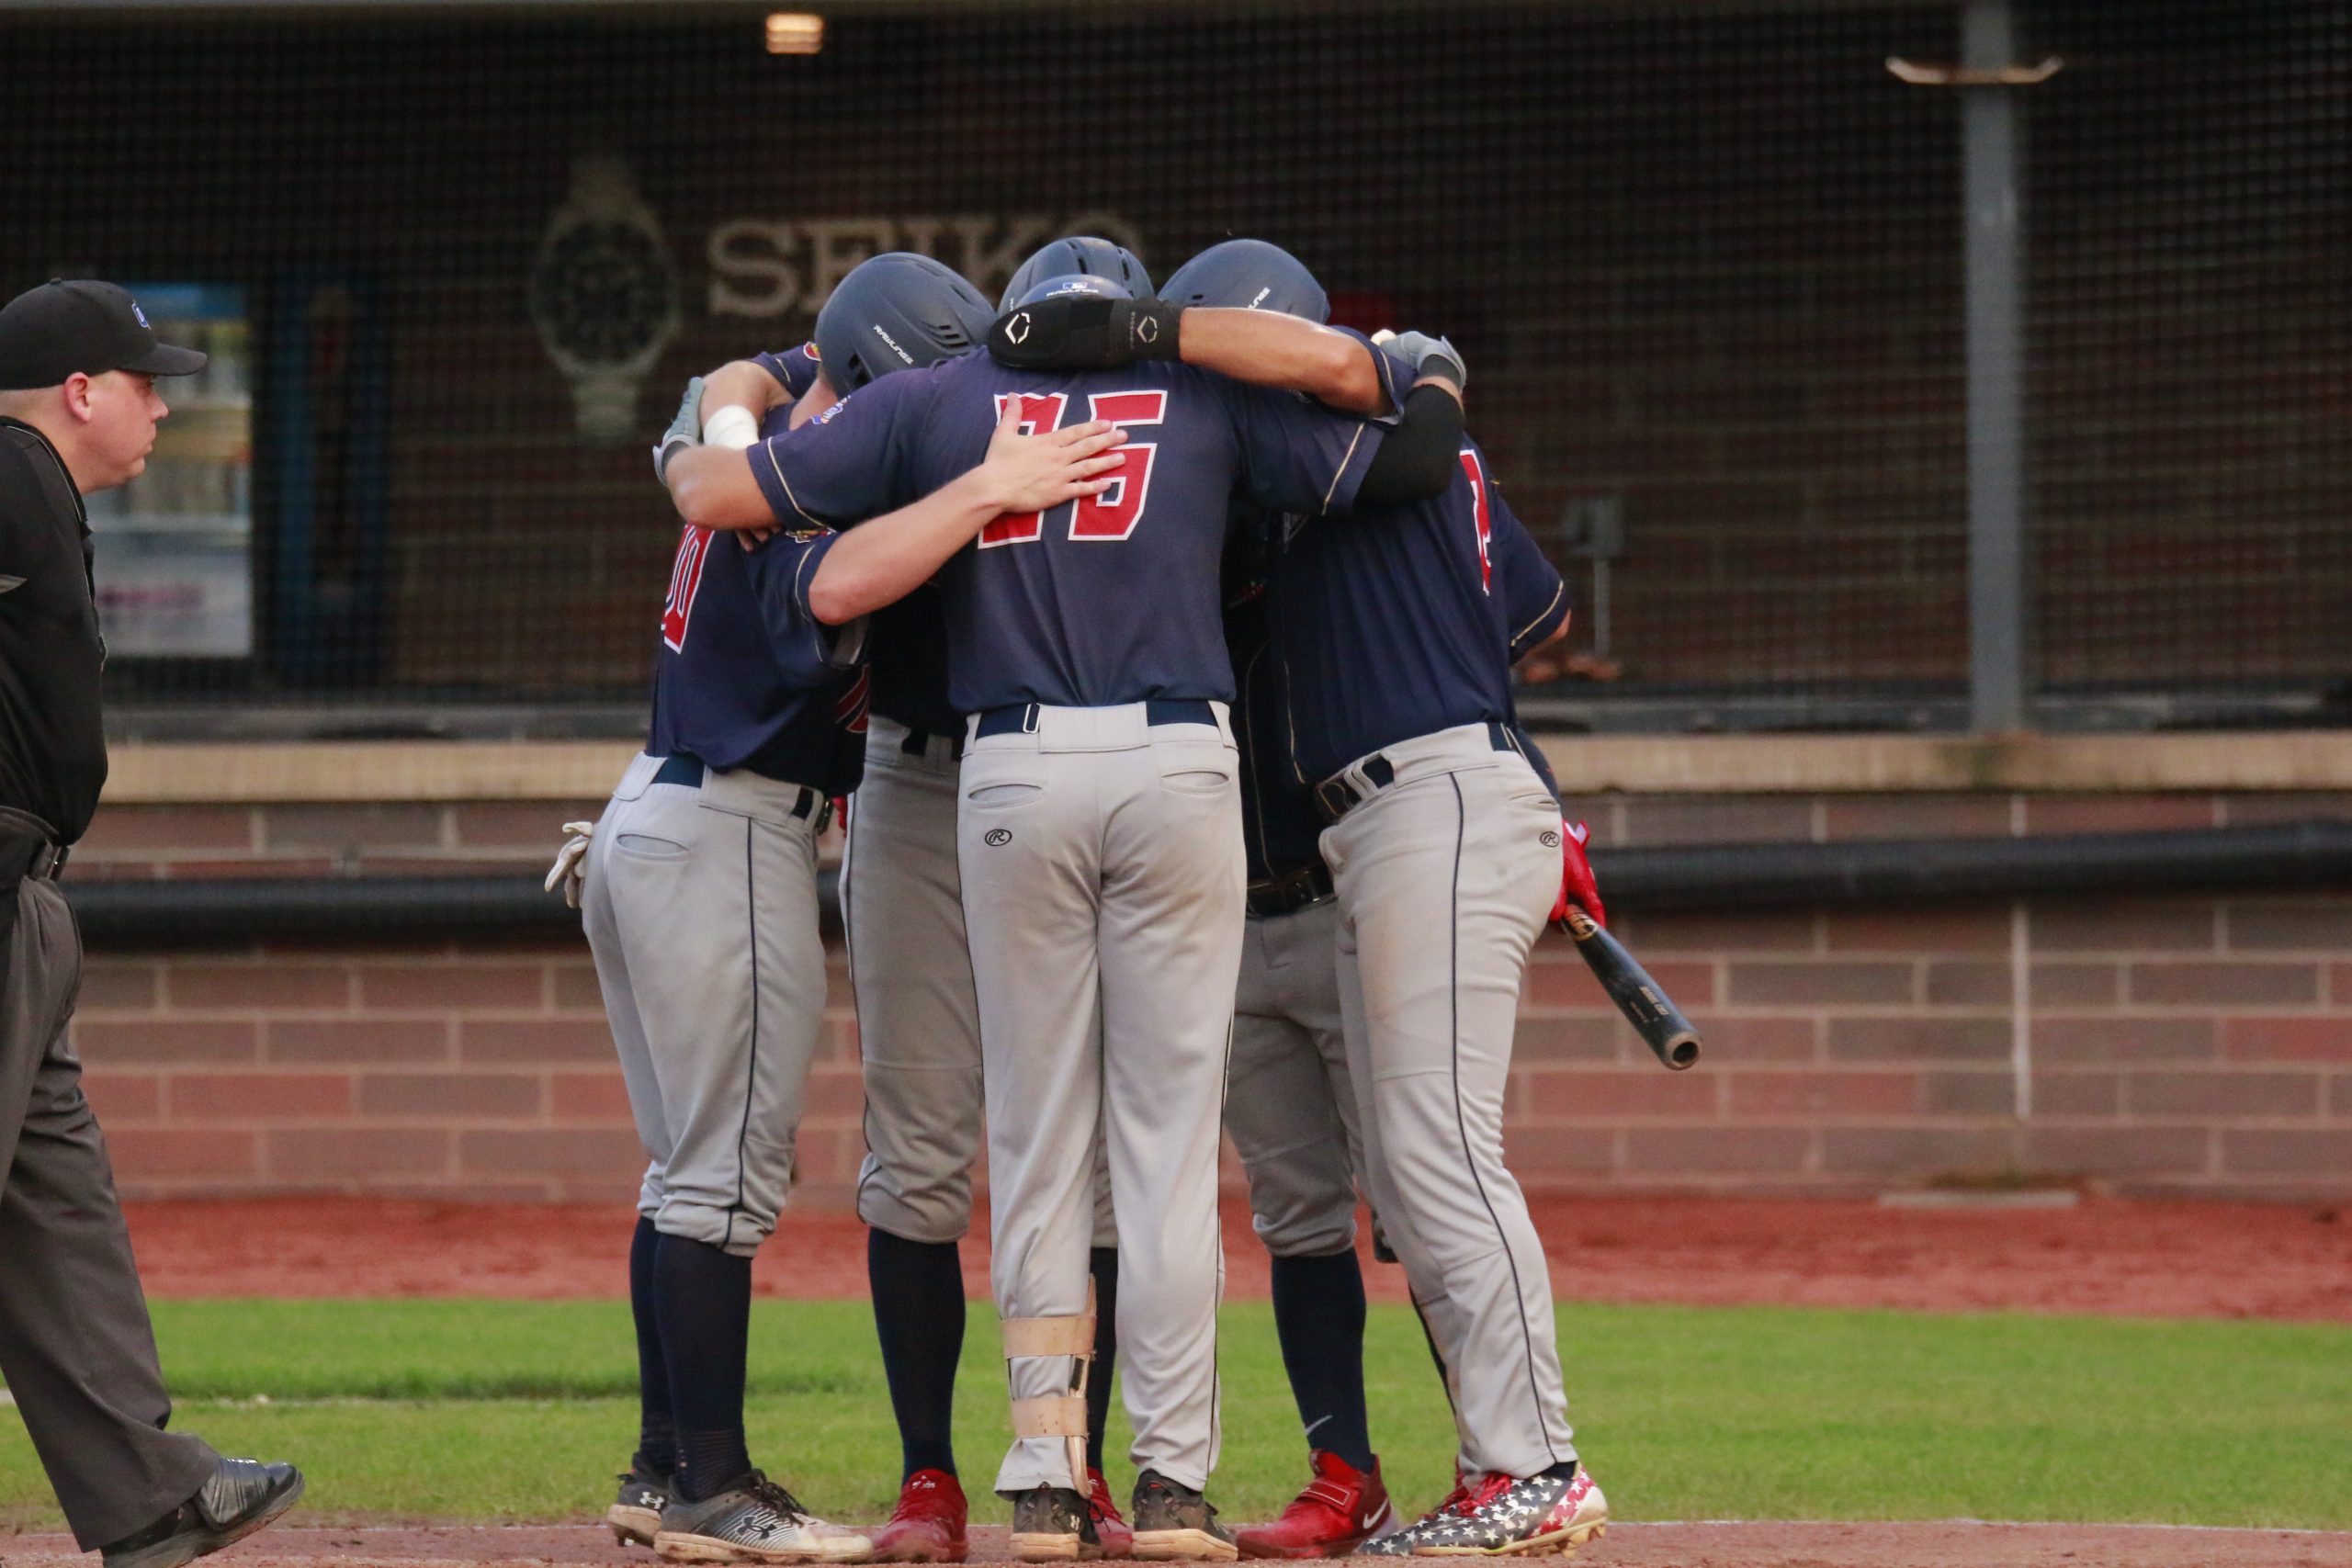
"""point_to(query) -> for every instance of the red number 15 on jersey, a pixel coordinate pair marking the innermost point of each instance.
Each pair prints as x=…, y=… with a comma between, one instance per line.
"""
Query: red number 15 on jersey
x=1112, y=515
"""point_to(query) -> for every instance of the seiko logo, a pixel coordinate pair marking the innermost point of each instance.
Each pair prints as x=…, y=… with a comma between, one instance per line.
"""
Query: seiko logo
x=903, y=356
x=997, y=838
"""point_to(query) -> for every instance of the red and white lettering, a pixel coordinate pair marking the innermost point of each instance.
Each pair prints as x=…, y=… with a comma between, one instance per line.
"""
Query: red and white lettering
x=1113, y=513
x=1470, y=466
x=685, y=581
x=1038, y=415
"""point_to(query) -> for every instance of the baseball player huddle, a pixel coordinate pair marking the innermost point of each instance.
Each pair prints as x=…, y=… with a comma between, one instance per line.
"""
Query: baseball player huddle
x=1158, y=642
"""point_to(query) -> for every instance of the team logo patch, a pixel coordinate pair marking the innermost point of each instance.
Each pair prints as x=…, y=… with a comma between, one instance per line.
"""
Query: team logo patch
x=997, y=838
x=821, y=418
x=1551, y=840
x=1017, y=329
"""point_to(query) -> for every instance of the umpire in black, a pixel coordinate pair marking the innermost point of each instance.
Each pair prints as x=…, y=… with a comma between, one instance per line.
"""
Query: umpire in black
x=78, y=407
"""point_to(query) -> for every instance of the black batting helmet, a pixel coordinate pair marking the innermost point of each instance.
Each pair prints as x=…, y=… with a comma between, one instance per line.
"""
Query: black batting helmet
x=1083, y=254
x=1248, y=274
x=897, y=312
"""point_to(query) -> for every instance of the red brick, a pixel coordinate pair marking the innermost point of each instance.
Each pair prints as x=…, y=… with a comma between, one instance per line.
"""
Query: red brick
x=2118, y=1151
x=536, y=825
x=2225, y=984
x=1742, y=1038
x=534, y=1039
x=359, y=1042
x=157, y=1154
x=1916, y=816
x=273, y=865
x=257, y=987
x=1715, y=1150
x=258, y=1097
x=2309, y=926
x=1900, y=1038
x=165, y=1040
x=1568, y=1093
x=1700, y=932
x=2122, y=925
x=2339, y=982
x=1931, y=929
x=1542, y=1038
x=2076, y=985
x=2258, y=810
x=2077, y=1094
x=2210, y=1094
x=124, y=988
x=1977, y=1094
x=454, y=1096
x=588, y=1097
x=2339, y=1097
x=2117, y=813
x=1969, y=982
x=2279, y=1151
x=357, y=827
x=2092, y=1038
x=1536, y=1154
x=355, y=1153
x=1719, y=820
x=1810, y=1094
x=574, y=1151
x=124, y=1097
x=118, y=828
x=576, y=987
x=450, y=987
x=1912, y=1152
x=1829, y=982
x=1572, y=985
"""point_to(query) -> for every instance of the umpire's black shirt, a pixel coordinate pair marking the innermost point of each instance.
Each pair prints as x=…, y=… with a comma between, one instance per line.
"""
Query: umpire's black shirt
x=53, y=748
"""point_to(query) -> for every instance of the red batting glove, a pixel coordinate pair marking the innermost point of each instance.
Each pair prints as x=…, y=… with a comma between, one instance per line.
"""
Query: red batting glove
x=1576, y=885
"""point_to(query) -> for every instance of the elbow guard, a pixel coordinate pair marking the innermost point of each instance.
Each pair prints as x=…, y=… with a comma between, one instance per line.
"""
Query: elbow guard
x=1418, y=457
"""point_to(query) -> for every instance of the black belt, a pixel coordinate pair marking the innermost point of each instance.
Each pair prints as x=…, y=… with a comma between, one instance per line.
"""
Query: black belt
x=25, y=842
x=683, y=768
x=1293, y=891
x=1339, y=795
x=918, y=742
x=1021, y=718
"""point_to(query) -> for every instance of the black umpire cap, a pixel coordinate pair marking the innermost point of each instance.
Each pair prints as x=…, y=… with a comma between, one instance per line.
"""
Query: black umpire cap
x=81, y=325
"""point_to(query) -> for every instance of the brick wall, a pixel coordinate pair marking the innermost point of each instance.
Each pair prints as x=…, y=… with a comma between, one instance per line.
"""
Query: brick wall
x=2173, y=1043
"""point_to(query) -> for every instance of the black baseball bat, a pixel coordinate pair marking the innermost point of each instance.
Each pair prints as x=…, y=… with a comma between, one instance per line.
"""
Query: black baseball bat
x=1647, y=1007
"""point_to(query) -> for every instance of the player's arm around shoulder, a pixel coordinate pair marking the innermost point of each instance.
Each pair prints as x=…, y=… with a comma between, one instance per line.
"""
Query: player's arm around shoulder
x=882, y=562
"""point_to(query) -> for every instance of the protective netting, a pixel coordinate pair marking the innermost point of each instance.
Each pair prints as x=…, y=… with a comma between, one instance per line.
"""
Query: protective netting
x=1704, y=261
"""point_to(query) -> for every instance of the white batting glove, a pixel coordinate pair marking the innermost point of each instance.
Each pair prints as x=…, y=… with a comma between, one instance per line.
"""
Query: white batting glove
x=570, y=869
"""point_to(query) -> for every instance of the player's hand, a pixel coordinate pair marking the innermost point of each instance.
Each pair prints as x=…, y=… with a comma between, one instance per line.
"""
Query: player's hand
x=685, y=431
x=1576, y=885
x=1430, y=356
x=571, y=871
x=1084, y=331
x=1030, y=473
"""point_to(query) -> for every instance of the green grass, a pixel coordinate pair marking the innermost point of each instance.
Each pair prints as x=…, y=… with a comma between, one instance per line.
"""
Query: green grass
x=507, y=1410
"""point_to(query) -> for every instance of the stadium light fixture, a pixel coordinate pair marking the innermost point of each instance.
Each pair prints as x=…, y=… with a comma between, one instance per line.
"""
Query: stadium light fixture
x=796, y=32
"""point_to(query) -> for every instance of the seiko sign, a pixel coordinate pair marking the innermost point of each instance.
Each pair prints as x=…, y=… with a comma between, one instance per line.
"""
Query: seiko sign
x=762, y=266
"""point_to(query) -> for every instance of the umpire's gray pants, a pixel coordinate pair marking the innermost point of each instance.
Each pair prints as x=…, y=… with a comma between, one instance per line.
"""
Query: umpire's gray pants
x=1290, y=1105
x=74, y=1341
x=701, y=909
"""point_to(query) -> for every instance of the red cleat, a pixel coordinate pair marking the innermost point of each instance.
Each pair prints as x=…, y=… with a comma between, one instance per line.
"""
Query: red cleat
x=1117, y=1536
x=1341, y=1509
x=928, y=1524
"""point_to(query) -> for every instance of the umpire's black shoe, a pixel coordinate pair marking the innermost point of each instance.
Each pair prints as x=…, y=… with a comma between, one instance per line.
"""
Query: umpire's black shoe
x=1174, y=1523
x=243, y=1496
x=1054, y=1524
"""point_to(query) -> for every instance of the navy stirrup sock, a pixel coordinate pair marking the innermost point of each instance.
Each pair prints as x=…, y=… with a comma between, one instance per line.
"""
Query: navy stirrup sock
x=702, y=1299
x=1102, y=1262
x=657, y=1434
x=1318, y=1317
x=917, y=1289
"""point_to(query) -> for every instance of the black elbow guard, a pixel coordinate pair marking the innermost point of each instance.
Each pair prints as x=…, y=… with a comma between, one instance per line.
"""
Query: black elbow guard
x=1418, y=457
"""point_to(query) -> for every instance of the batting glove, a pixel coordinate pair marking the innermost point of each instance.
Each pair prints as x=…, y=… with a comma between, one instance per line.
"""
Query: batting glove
x=1084, y=331
x=1430, y=356
x=685, y=431
x=1576, y=885
x=571, y=872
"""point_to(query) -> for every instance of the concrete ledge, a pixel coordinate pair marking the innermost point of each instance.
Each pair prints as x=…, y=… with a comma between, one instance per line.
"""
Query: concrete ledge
x=263, y=773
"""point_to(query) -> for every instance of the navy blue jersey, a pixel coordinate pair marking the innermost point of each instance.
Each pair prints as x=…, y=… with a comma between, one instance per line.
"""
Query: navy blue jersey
x=1280, y=827
x=745, y=676
x=905, y=649
x=1112, y=599
x=1398, y=621
x=795, y=369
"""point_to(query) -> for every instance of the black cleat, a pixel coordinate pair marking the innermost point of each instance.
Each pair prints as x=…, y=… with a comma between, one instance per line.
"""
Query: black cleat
x=243, y=1496
x=1175, y=1524
x=1054, y=1524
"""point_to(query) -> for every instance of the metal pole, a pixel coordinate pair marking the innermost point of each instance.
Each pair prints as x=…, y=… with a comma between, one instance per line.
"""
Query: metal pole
x=1996, y=563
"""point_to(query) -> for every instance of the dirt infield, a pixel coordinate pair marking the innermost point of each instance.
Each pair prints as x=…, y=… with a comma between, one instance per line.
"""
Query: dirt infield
x=1940, y=1544
x=2174, y=1259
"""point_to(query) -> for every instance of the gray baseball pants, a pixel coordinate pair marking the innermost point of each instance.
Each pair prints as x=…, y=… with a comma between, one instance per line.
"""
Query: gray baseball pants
x=1102, y=871
x=700, y=905
x=76, y=1344
x=1444, y=880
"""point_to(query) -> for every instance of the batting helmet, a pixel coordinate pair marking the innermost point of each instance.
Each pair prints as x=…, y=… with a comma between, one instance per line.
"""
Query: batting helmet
x=897, y=312
x=1248, y=274
x=1078, y=254
x=1071, y=283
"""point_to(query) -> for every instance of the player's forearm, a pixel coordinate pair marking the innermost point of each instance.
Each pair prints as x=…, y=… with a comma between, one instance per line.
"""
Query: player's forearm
x=882, y=562
x=1268, y=349
x=713, y=488
x=743, y=385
